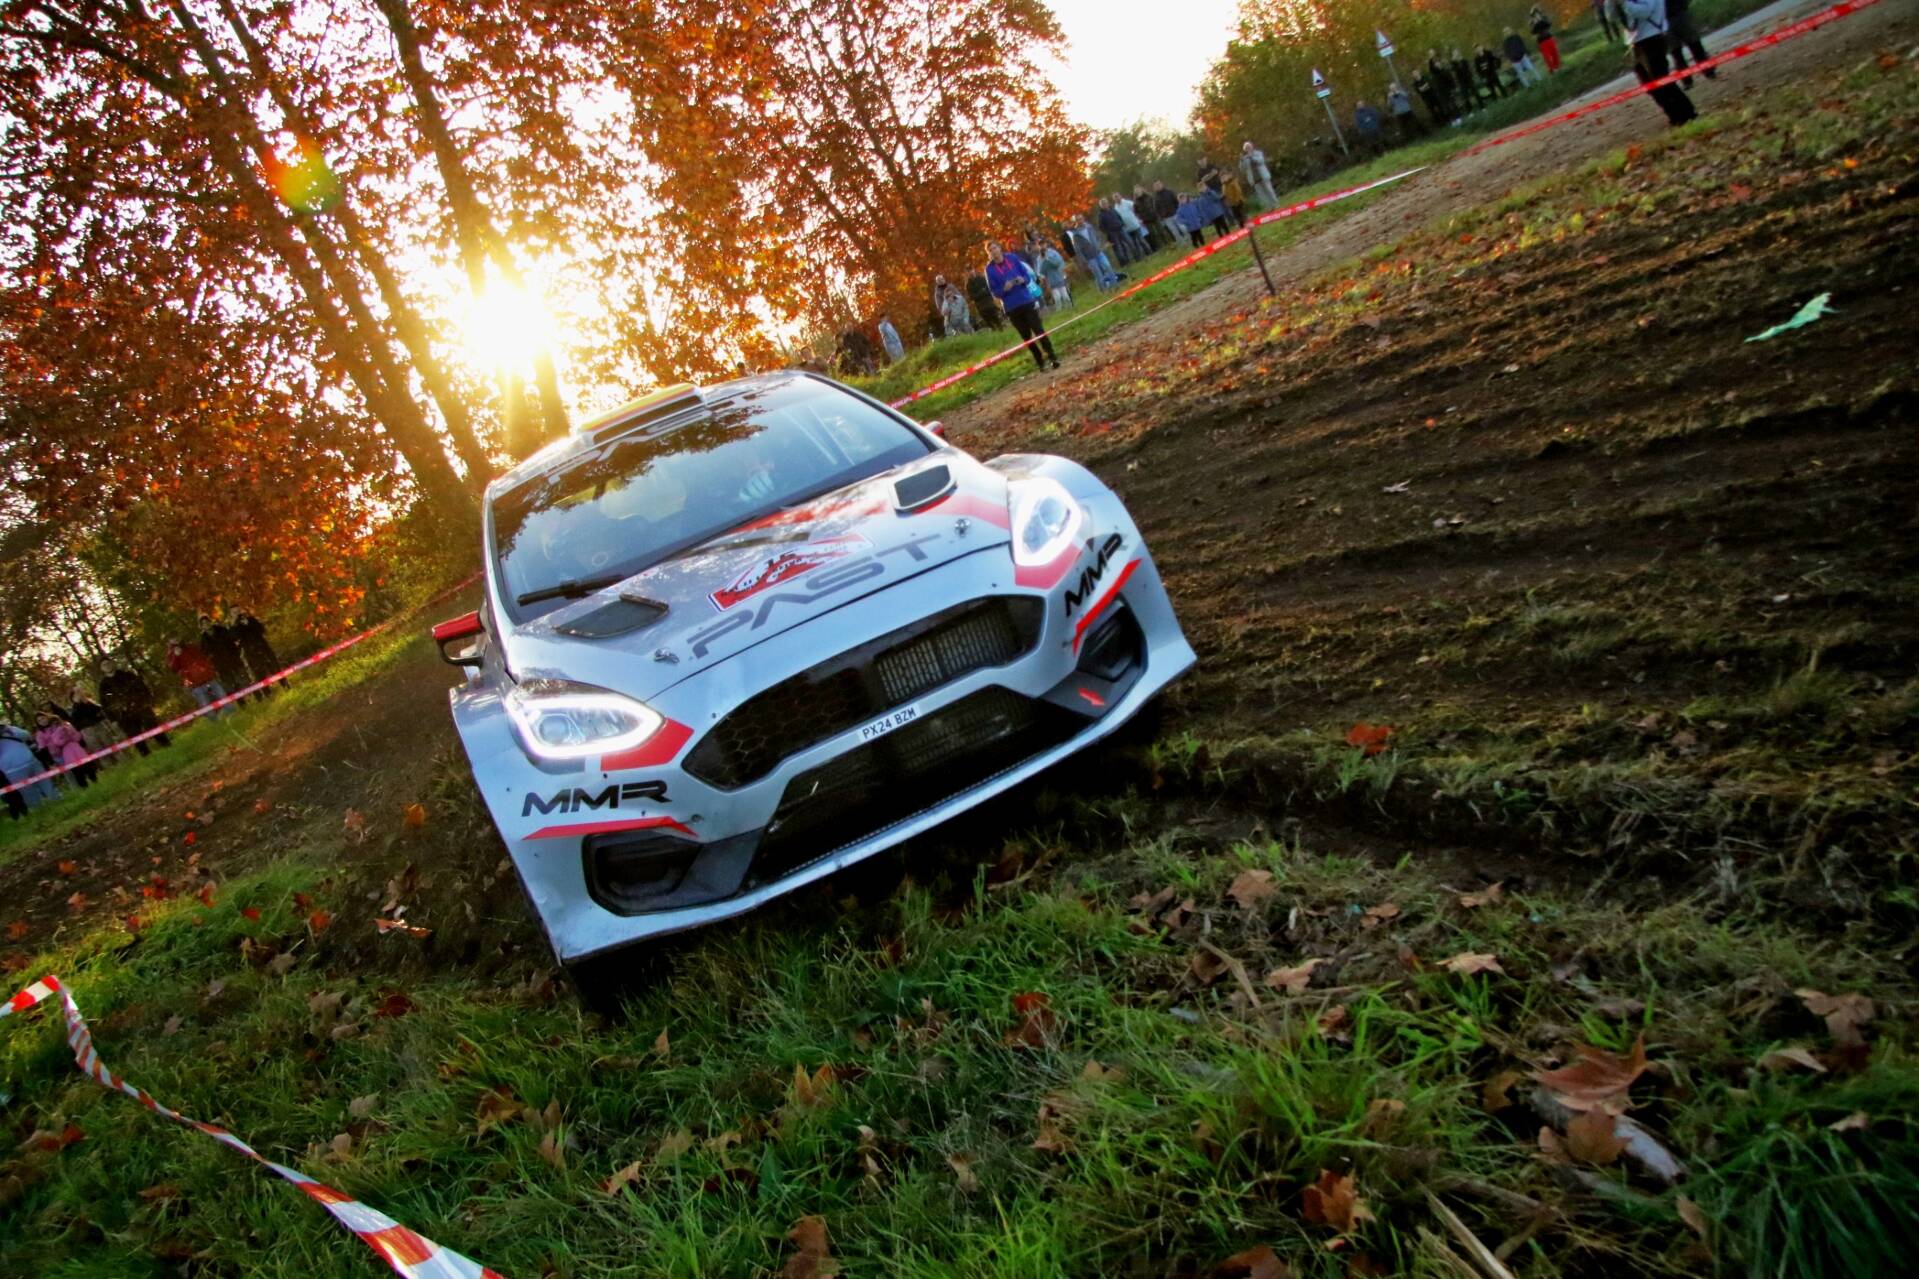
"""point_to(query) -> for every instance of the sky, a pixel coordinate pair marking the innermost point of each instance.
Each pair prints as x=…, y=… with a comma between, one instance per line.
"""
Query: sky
x=1127, y=61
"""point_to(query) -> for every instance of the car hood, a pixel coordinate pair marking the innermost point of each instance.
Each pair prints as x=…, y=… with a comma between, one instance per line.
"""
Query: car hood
x=752, y=583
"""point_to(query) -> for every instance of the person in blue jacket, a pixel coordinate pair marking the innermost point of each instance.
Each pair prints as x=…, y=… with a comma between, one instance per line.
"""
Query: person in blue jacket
x=1017, y=290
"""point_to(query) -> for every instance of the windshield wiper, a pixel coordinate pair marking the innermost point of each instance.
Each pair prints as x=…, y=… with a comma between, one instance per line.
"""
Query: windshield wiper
x=572, y=589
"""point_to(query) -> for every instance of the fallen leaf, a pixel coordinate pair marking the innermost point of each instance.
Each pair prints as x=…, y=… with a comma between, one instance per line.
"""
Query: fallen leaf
x=190, y=838
x=1467, y=963
x=1334, y=1201
x=1497, y=1094
x=673, y=1145
x=165, y=1190
x=1693, y=1216
x=1377, y=915
x=1381, y=1114
x=319, y=921
x=262, y=806
x=1038, y=1023
x=1844, y=1014
x=206, y=894
x=1370, y=738
x=1098, y=1074
x=1598, y=1080
x=1332, y=1022
x=662, y=1046
x=173, y=1024
x=1255, y=1263
x=66, y=868
x=355, y=824
x=18, y=929
x=496, y=1107
x=1591, y=1139
x=77, y=902
x=1206, y=967
x=1293, y=980
x=1857, y=1121
x=393, y=1003
x=553, y=1147
x=1782, y=1059
x=281, y=965
x=962, y=1166
x=413, y=816
x=622, y=1179
x=1252, y=887
x=362, y=1107
x=810, y=1259
x=1484, y=897
x=250, y=912
x=814, y=1089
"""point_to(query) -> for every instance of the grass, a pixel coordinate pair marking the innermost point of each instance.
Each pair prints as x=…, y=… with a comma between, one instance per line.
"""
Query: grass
x=937, y=1143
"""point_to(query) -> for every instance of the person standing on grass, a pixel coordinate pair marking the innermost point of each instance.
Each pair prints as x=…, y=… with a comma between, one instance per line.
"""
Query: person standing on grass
x=1543, y=35
x=63, y=744
x=1682, y=34
x=1369, y=126
x=1399, y=104
x=1114, y=230
x=126, y=697
x=1166, y=205
x=1018, y=292
x=217, y=642
x=1441, y=77
x=1423, y=86
x=1258, y=174
x=1052, y=272
x=953, y=310
x=1131, y=215
x=251, y=634
x=90, y=719
x=982, y=295
x=19, y=760
x=1515, y=50
x=1646, y=30
x=1462, y=70
x=1488, y=64
x=197, y=673
x=1601, y=11
x=1234, y=197
x=890, y=339
x=1091, y=256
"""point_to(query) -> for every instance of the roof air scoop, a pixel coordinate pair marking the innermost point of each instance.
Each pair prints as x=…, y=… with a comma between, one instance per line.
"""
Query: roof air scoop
x=923, y=488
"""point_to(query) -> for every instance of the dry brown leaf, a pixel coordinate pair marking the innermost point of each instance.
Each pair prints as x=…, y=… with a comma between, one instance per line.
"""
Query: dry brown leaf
x=1591, y=1139
x=553, y=1147
x=1844, y=1014
x=1252, y=887
x=1377, y=915
x=1466, y=963
x=1694, y=1217
x=1333, y=1021
x=662, y=1046
x=1551, y=1148
x=673, y=1145
x=1206, y=967
x=814, y=1089
x=1497, y=1094
x=1334, y=1201
x=1293, y=980
x=165, y=1190
x=1098, y=1074
x=173, y=1024
x=810, y=1259
x=1255, y=1263
x=1037, y=1021
x=1782, y=1059
x=496, y=1107
x=1484, y=897
x=1599, y=1079
x=1381, y=1114
x=355, y=824
x=962, y=1166
x=362, y=1107
x=1857, y=1121
x=413, y=816
x=621, y=1179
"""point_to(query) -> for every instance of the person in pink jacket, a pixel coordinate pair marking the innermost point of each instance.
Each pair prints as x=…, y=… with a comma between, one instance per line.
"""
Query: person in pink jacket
x=62, y=741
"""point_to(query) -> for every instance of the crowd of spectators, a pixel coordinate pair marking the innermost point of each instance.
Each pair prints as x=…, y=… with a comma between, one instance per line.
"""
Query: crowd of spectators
x=221, y=656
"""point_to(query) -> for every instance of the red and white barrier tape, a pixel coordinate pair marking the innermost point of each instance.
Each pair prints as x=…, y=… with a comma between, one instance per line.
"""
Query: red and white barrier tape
x=331, y=650
x=1746, y=49
x=1191, y=259
x=408, y=1253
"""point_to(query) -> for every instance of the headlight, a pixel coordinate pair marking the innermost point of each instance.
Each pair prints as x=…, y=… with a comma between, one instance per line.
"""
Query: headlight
x=561, y=720
x=1046, y=520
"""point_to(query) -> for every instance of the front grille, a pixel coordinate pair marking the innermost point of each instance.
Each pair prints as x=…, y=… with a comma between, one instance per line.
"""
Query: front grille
x=862, y=684
x=911, y=768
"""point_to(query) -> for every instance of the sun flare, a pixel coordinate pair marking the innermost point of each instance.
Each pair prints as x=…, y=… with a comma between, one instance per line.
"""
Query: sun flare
x=505, y=326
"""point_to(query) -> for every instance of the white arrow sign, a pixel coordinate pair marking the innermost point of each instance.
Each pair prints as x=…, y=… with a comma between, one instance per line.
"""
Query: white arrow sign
x=1385, y=45
x=1320, y=88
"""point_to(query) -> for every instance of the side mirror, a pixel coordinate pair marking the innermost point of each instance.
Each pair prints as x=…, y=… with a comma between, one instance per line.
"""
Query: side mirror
x=460, y=639
x=937, y=427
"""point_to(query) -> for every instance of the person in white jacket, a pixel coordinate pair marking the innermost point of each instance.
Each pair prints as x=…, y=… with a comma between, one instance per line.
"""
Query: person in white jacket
x=1258, y=175
x=1646, y=26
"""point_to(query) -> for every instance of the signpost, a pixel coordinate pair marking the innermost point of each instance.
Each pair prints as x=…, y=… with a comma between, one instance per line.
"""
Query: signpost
x=1324, y=93
x=1385, y=47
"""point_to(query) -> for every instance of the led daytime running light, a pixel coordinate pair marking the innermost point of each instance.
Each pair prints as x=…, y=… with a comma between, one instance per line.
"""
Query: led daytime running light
x=561, y=720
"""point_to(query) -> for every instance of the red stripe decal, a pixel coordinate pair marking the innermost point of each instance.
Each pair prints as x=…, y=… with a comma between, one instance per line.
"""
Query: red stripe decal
x=583, y=829
x=1086, y=619
x=651, y=753
x=1046, y=576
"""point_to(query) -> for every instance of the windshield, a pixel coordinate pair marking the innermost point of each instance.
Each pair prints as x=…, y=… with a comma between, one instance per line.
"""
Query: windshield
x=640, y=498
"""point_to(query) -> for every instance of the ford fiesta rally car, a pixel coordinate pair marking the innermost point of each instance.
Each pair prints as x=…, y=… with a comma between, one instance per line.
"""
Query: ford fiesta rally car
x=735, y=639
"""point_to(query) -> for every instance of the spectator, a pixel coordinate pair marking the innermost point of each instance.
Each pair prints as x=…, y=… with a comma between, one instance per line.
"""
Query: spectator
x=250, y=633
x=1018, y=292
x=1488, y=63
x=1644, y=22
x=1110, y=226
x=1443, y=87
x=1208, y=177
x=1543, y=34
x=1682, y=33
x=126, y=697
x=952, y=309
x=1091, y=256
x=96, y=731
x=62, y=741
x=1135, y=228
x=1601, y=11
x=1423, y=86
x=856, y=351
x=1399, y=103
x=1369, y=126
x=1523, y=67
x=197, y=673
x=890, y=339
x=1052, y=271
x=217, y=642
x=982, y=294
x=1258, y=174
x=1234, y=197
x=19, y=760
x=1463, y=78
x=1166, y=205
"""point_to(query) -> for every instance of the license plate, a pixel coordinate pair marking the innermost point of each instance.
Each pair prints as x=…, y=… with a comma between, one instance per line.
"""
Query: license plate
x=881, y=727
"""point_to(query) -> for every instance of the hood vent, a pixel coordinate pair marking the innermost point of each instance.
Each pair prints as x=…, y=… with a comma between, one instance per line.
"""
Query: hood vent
x=622, y=616
x=922, y=488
